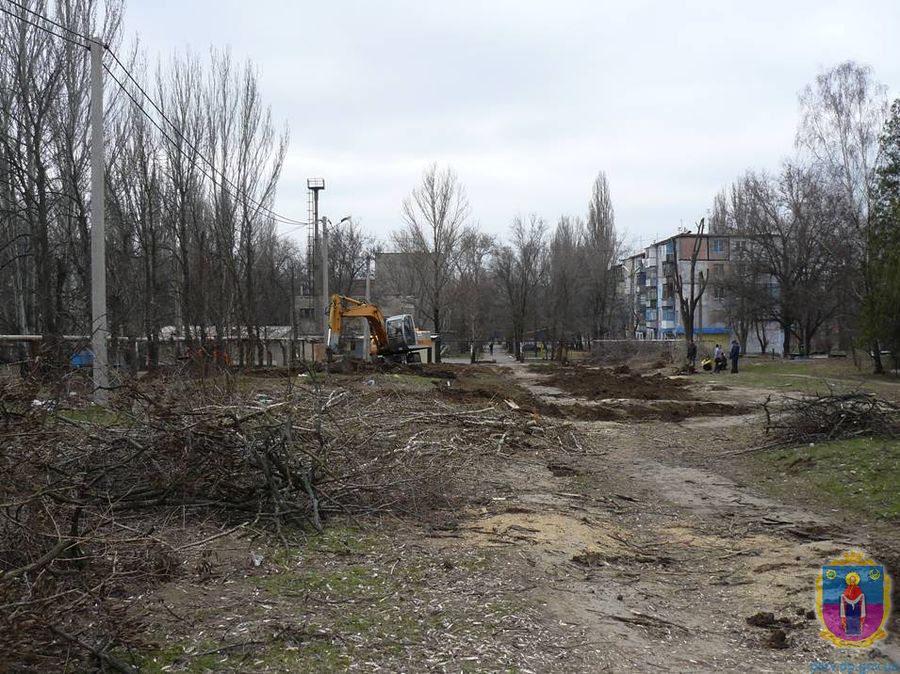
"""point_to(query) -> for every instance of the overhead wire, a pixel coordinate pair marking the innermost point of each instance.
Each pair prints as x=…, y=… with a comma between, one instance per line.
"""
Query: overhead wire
x=265, y=209
x=274, y=215
x=44, y=28
x=25, y=8
x=150, y=118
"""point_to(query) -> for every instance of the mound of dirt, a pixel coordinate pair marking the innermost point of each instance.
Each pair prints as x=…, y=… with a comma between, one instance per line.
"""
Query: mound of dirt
x=598, y=383
x=479, y=392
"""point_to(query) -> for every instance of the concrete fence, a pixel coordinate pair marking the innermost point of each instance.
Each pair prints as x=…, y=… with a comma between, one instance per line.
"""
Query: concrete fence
x=621, y=350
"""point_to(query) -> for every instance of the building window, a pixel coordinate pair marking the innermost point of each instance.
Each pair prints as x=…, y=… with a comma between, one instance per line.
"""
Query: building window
x=650, y=315
x=718, y=245
x=669, y=315
x=719, y=292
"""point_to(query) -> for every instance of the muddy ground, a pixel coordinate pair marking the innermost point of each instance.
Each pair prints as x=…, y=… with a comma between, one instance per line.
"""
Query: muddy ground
x=613, y=529
x=586, y=393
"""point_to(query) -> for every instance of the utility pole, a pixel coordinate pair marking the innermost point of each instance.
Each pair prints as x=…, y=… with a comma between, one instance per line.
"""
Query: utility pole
x=325, y=302
x=98, y=229
x=293, y=318
x=367, y=347
x=314, y=186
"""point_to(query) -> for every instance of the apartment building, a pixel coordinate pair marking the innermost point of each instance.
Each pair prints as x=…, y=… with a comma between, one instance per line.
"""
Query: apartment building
x=647, y=290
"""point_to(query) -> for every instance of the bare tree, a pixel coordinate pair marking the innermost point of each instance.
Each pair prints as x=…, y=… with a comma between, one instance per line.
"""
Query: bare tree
x=842, y=116
x=260, y=156
x=689, y=297
x=135, y=260
x=793, y=225
x=248, y=155
x=44, y=106
x=471, y=284
x=434, y=214
x=519, y=268
x=748, y=303
x=718, y=219
x=348, y=250
x=179, y=92
x=173, y=234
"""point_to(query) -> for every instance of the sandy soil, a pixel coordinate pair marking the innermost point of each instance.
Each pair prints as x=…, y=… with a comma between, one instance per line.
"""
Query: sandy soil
x=621, y=546
x=660, y=561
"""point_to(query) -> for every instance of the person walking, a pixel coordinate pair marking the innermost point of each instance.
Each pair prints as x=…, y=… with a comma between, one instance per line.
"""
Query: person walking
x=735, y=354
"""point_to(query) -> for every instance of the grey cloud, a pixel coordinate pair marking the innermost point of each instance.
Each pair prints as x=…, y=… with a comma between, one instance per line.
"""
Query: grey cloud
x=528, y=100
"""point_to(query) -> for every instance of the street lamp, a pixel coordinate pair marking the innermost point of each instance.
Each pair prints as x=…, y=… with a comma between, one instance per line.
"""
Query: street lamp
x=326, y=300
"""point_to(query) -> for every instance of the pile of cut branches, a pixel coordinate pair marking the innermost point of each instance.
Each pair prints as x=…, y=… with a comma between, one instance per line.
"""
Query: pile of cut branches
x=793, y=421
x=97, y=504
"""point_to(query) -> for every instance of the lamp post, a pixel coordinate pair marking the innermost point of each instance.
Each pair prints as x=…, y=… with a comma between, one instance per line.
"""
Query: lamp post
x=326, y=300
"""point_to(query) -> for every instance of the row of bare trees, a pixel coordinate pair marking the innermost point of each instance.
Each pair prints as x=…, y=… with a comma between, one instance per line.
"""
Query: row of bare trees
x=557, y=284
x=816, y=240
x=818, y=255
x=191, y=179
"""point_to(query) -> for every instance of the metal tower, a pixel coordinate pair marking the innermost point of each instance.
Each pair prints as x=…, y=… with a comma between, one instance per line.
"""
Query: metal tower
x=313, y=255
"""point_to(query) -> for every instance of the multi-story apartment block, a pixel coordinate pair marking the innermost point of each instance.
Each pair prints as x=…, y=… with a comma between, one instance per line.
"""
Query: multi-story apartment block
x=648, y=293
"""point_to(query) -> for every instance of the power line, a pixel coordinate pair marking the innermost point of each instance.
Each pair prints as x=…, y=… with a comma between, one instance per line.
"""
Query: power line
x=155, y=123
x=276, y=216
x=169, y=138
x=297, y=224
x=44, y=28
x=49, y=20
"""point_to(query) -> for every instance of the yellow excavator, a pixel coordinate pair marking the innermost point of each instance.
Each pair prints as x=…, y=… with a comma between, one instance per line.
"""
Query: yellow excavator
x=393, y=338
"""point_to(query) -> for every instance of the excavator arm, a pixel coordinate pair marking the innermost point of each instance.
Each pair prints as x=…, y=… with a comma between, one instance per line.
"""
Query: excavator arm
x=346, y=307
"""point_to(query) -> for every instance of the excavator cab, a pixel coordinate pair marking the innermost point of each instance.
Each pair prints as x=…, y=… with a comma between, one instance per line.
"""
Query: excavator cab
x=401, y=333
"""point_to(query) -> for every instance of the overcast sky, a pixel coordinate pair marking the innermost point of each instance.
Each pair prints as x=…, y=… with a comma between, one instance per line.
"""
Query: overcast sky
x=527, y=101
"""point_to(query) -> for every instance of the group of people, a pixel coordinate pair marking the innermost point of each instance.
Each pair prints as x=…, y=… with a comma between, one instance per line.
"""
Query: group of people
x=719, y=361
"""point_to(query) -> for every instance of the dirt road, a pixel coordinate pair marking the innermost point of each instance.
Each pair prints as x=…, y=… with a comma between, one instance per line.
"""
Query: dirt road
x=573, y=533
x=657, y=562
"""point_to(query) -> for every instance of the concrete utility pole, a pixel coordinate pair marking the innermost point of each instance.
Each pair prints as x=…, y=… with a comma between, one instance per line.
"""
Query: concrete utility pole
x=326, y=300
x=367, y=351
x=314, y=186
x=293, y=317
x=325, y=304
x=99, y=330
